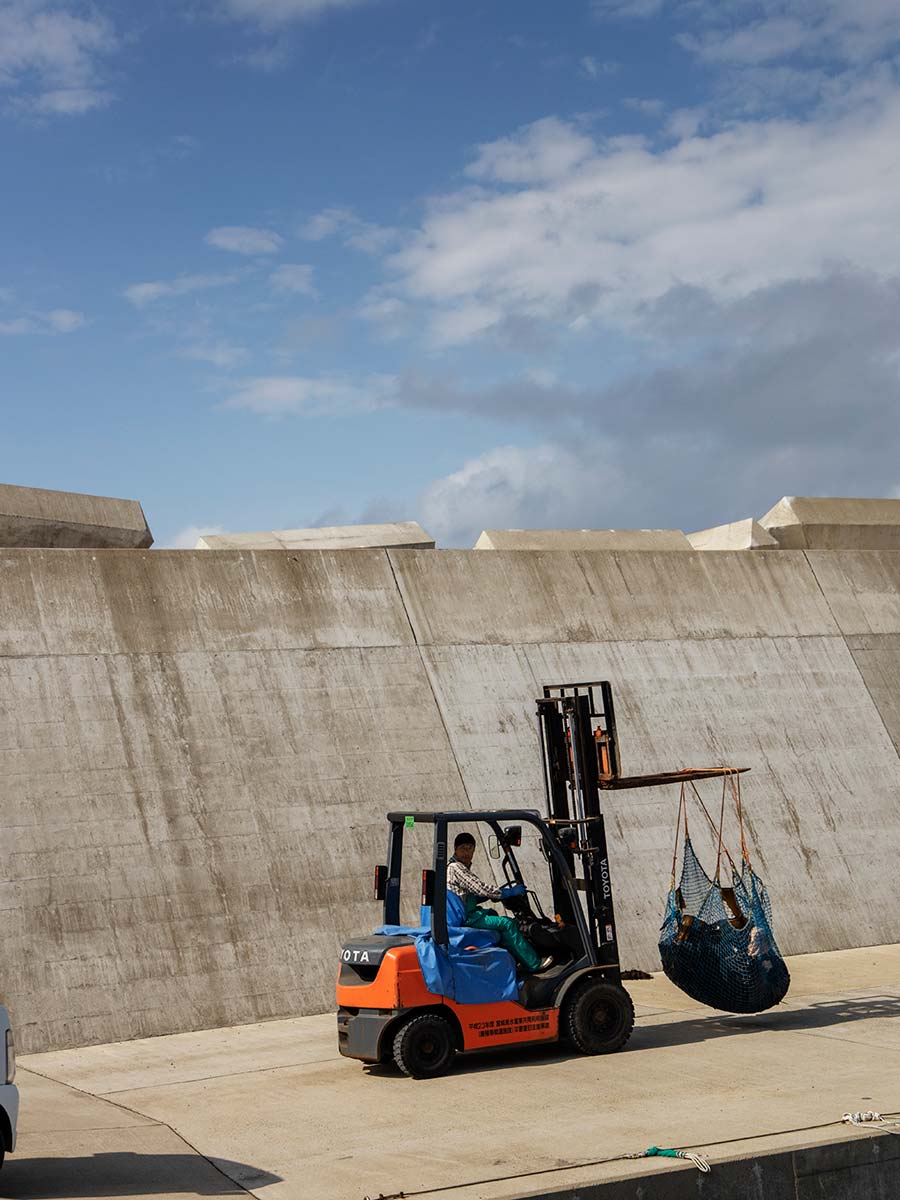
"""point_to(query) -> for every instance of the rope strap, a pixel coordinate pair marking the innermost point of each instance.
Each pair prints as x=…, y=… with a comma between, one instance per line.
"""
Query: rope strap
x=682, y=808
x=871, y=1118
x=657, y=1152
x=716, y=829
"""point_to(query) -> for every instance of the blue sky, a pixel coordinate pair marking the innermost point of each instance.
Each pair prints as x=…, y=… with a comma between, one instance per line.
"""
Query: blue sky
x=624, y=263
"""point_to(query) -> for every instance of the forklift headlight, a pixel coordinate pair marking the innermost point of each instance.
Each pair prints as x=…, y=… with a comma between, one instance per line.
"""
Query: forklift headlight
x=10, y=1056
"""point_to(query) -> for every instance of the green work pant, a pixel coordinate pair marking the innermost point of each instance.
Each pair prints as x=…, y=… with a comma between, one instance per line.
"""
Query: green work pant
x=510, y=937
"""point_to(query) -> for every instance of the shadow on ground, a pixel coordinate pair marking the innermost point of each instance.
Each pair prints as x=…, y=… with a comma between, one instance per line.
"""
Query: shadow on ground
x=817, y=1015
x=124, y=1174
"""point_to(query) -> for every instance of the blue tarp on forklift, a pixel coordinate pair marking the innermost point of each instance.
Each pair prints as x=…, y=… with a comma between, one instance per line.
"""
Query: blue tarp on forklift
x=471, y=969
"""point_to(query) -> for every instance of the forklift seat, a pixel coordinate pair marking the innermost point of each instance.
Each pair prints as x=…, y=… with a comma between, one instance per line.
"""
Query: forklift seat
x=472, y=968
x=456, y=913
x=456, y=919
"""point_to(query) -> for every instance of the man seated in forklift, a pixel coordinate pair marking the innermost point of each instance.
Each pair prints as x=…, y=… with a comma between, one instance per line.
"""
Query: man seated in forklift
x=470, y=889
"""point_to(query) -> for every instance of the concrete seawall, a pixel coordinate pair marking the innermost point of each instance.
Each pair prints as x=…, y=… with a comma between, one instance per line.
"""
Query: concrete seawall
x=198, y=750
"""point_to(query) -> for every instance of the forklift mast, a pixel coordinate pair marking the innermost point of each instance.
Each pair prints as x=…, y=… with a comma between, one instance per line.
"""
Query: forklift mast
x=580, y=755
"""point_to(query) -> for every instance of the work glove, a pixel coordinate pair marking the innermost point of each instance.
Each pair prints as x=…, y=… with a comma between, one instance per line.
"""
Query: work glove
x=512, y=889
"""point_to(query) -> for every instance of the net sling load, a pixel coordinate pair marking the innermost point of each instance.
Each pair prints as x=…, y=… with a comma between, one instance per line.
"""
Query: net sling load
x=716, y=942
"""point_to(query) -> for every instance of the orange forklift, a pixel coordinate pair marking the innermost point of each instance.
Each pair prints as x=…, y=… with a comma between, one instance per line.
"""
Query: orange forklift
x=417, y=997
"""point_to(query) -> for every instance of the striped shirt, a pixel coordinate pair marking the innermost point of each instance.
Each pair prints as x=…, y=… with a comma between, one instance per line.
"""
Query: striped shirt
x=464, y=883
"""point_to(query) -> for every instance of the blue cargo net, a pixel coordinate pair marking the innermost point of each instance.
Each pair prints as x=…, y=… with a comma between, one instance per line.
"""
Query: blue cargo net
x=716, y=941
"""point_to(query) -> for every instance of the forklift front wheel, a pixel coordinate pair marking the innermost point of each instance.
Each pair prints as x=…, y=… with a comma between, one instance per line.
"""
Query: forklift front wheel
x=598, y=1017
x=424, y=1047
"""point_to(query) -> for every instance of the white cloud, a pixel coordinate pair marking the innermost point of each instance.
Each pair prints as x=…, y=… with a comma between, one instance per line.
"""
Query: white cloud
x=594, y=69
x=217, y=353
x=293, y=277
x=793, y=390
x=853, y=31
x=370, y=239
x=546, y=150
x=186, y=538
x=754, y=32
x=57, y=320
x=326, y=223
x=647, y=108
x=685, y=123
x=64, y=320
x=16, y=325
x=142, y=294
x=463, y=322
x=327, y=395
x=390, y=315
x=269, y=13
x=511, y=487
x=268, y=58
x=636, y=9
x=350, y=228
x=51, y=56
x=593, y=231
x=63, y=102
x=244, y=239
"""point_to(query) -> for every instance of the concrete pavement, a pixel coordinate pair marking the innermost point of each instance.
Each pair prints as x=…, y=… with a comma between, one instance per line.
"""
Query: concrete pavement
x=278, y=1113
x=72, y=1144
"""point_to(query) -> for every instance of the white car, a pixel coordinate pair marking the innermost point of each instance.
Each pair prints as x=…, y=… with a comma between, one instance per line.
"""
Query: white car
x=9, y=1093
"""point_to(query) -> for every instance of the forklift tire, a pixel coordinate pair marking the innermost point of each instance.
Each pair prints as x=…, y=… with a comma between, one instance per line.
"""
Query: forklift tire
x=597, y=1017
x=424, y=1047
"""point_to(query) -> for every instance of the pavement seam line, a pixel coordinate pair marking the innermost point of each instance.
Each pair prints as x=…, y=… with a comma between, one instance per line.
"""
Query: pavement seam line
x=847, y=1041
x=153, y=1124
x=149, y=1087
x=148, y=1124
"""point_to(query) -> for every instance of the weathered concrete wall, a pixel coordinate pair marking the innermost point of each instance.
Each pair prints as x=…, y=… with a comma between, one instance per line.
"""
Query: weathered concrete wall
x=736, y=535
x=834, y=523
x=725, y=658
x=198, y=750
x=582, y=539
x=38, y=517
x=330, y=537
x=863, y=592
x=197, y=753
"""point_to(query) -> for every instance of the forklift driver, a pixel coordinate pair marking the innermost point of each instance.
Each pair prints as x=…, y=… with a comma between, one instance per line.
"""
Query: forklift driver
x=470, y=889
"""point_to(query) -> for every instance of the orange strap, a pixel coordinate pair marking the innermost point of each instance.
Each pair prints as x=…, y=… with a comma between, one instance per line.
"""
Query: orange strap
x=712, y=825
x=735, y=781
x=682, y=809
x=721, y=825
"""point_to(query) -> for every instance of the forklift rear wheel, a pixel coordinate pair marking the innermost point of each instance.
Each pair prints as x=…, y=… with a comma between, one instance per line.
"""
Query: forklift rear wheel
x=423, y=1047
x=598, y=1017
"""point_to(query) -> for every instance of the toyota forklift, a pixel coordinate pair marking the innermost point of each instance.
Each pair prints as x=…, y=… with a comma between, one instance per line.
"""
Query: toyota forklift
x=395, y=993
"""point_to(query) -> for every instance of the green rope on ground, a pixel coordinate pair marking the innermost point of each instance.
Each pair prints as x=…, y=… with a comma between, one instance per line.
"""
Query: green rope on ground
x=659, y=1152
